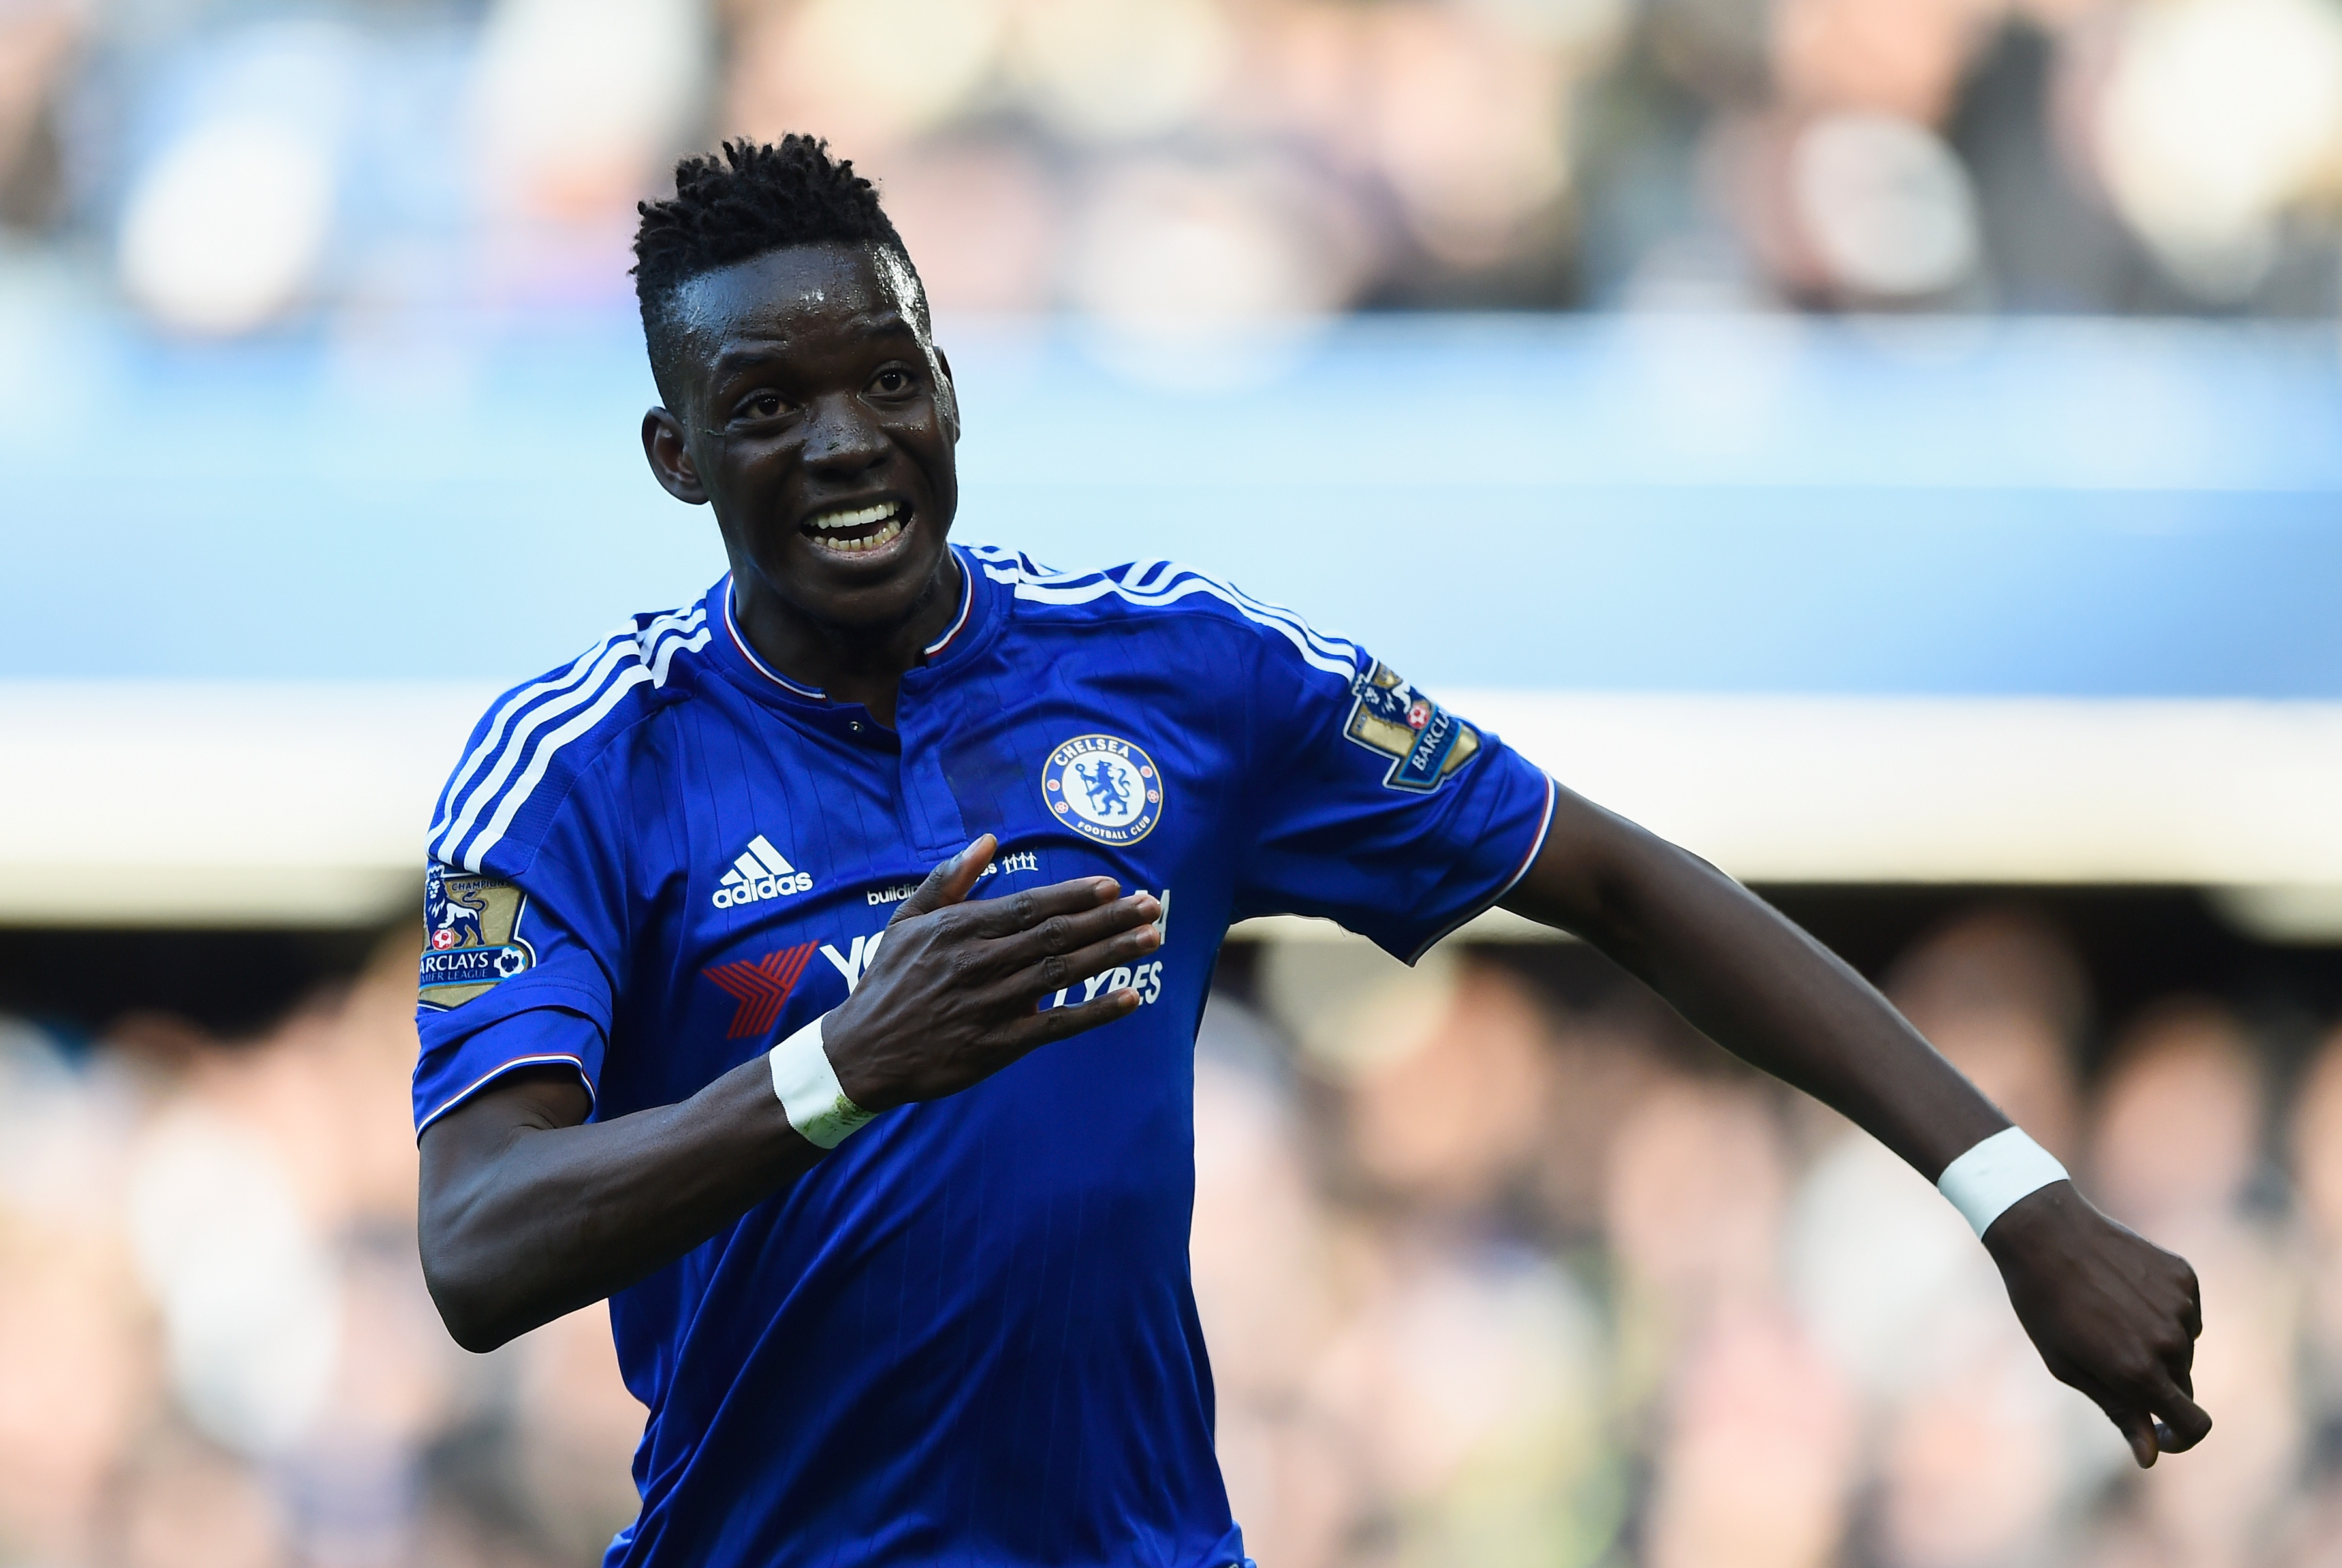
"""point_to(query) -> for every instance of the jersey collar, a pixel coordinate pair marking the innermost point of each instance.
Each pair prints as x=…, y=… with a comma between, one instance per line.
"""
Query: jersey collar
x=740, y=645
x=960, y=636
x=967, y=602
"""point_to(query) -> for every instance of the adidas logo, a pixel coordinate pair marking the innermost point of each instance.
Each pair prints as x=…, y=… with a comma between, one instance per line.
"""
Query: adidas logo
x=759, y=872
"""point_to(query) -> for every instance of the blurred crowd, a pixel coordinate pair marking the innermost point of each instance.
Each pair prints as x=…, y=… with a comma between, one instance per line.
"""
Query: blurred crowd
x=1499, y=1264
x=1498, y=1276
x=216, y=1346
x=229, y=165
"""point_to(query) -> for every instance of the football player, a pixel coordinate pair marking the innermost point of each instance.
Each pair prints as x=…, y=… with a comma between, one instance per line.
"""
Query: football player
x=834, y=947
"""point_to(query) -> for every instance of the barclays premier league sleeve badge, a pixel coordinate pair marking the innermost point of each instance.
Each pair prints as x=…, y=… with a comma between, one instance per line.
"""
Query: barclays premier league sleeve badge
x=1426, y=743
x=470, y=942
x=1104, y=788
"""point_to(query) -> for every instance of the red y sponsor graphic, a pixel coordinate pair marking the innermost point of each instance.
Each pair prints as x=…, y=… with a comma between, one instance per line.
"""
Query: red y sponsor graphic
x=761, y=986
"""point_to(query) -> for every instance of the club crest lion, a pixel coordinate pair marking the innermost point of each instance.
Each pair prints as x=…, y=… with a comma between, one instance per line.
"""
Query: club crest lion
x=1104, y=788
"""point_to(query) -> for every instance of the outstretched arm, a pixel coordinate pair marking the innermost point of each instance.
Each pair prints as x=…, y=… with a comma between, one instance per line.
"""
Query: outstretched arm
x=528, y=1211
x=2111, y=1314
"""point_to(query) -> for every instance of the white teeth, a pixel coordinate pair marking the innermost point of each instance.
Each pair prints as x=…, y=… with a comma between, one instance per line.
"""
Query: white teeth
x=892, y=531
x=856, y=518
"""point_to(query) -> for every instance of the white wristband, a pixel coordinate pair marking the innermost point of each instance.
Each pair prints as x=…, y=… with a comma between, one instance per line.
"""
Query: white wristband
x=808, y=1088
x=1983, y=1183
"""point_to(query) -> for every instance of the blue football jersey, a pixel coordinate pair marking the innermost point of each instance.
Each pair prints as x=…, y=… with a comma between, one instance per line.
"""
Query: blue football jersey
x=967, y=1336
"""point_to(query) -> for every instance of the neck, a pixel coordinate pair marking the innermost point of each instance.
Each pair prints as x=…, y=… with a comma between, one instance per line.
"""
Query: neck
x=850, y=664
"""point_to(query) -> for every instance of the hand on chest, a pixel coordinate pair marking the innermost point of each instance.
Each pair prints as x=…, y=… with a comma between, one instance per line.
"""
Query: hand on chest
x=814, y=848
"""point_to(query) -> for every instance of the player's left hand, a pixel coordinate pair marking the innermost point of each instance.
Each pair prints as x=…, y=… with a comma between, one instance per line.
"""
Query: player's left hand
x=2112, y=1313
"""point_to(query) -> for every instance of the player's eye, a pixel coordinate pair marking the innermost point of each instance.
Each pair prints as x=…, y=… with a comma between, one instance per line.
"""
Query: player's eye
x=892, y=382
x=762, y=405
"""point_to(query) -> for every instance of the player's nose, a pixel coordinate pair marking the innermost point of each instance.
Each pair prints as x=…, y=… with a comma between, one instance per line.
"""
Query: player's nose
x=841, y=438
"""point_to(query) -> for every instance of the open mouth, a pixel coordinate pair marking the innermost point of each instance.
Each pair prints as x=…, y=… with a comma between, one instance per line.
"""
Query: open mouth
x=853, y=530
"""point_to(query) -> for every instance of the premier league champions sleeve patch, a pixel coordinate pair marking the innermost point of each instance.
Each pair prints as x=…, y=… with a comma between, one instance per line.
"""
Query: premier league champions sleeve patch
x=1425, y=742
x=471, y=936
x=1103, y=788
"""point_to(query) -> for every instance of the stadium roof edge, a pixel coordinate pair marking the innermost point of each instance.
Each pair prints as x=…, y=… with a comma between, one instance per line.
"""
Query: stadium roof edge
x=304, y=804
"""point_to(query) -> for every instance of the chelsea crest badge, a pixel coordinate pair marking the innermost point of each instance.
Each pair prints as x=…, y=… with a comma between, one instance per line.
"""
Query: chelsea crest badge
x=1104, y=788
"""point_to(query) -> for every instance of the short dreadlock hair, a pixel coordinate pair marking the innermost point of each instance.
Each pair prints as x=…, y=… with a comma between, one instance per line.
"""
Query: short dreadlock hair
x=758, y=196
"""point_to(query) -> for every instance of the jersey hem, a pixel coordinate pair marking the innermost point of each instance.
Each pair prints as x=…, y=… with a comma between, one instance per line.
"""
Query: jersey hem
x=1537, y=846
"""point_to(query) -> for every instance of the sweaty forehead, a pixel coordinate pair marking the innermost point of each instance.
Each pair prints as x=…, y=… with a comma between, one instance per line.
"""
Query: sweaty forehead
x=804, y=296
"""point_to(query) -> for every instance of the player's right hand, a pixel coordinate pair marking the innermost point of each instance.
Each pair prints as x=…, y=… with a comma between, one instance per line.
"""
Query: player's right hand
x=953, y=994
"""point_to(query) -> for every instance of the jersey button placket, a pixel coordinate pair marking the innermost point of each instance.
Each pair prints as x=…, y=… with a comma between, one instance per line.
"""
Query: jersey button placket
x=930, y=810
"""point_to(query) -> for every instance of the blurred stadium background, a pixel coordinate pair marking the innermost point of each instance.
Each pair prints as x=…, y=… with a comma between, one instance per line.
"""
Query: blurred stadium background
x=1890, y=446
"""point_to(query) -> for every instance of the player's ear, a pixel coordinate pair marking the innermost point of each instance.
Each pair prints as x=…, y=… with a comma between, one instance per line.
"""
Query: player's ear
x=670, y=455
x=949, y=400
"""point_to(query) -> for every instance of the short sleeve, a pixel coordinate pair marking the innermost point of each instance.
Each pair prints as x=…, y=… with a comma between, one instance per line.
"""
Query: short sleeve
x=518, y=966
x=1378, y=808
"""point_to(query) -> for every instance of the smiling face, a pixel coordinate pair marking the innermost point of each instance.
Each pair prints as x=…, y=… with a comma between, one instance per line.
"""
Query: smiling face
x=813, y=412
